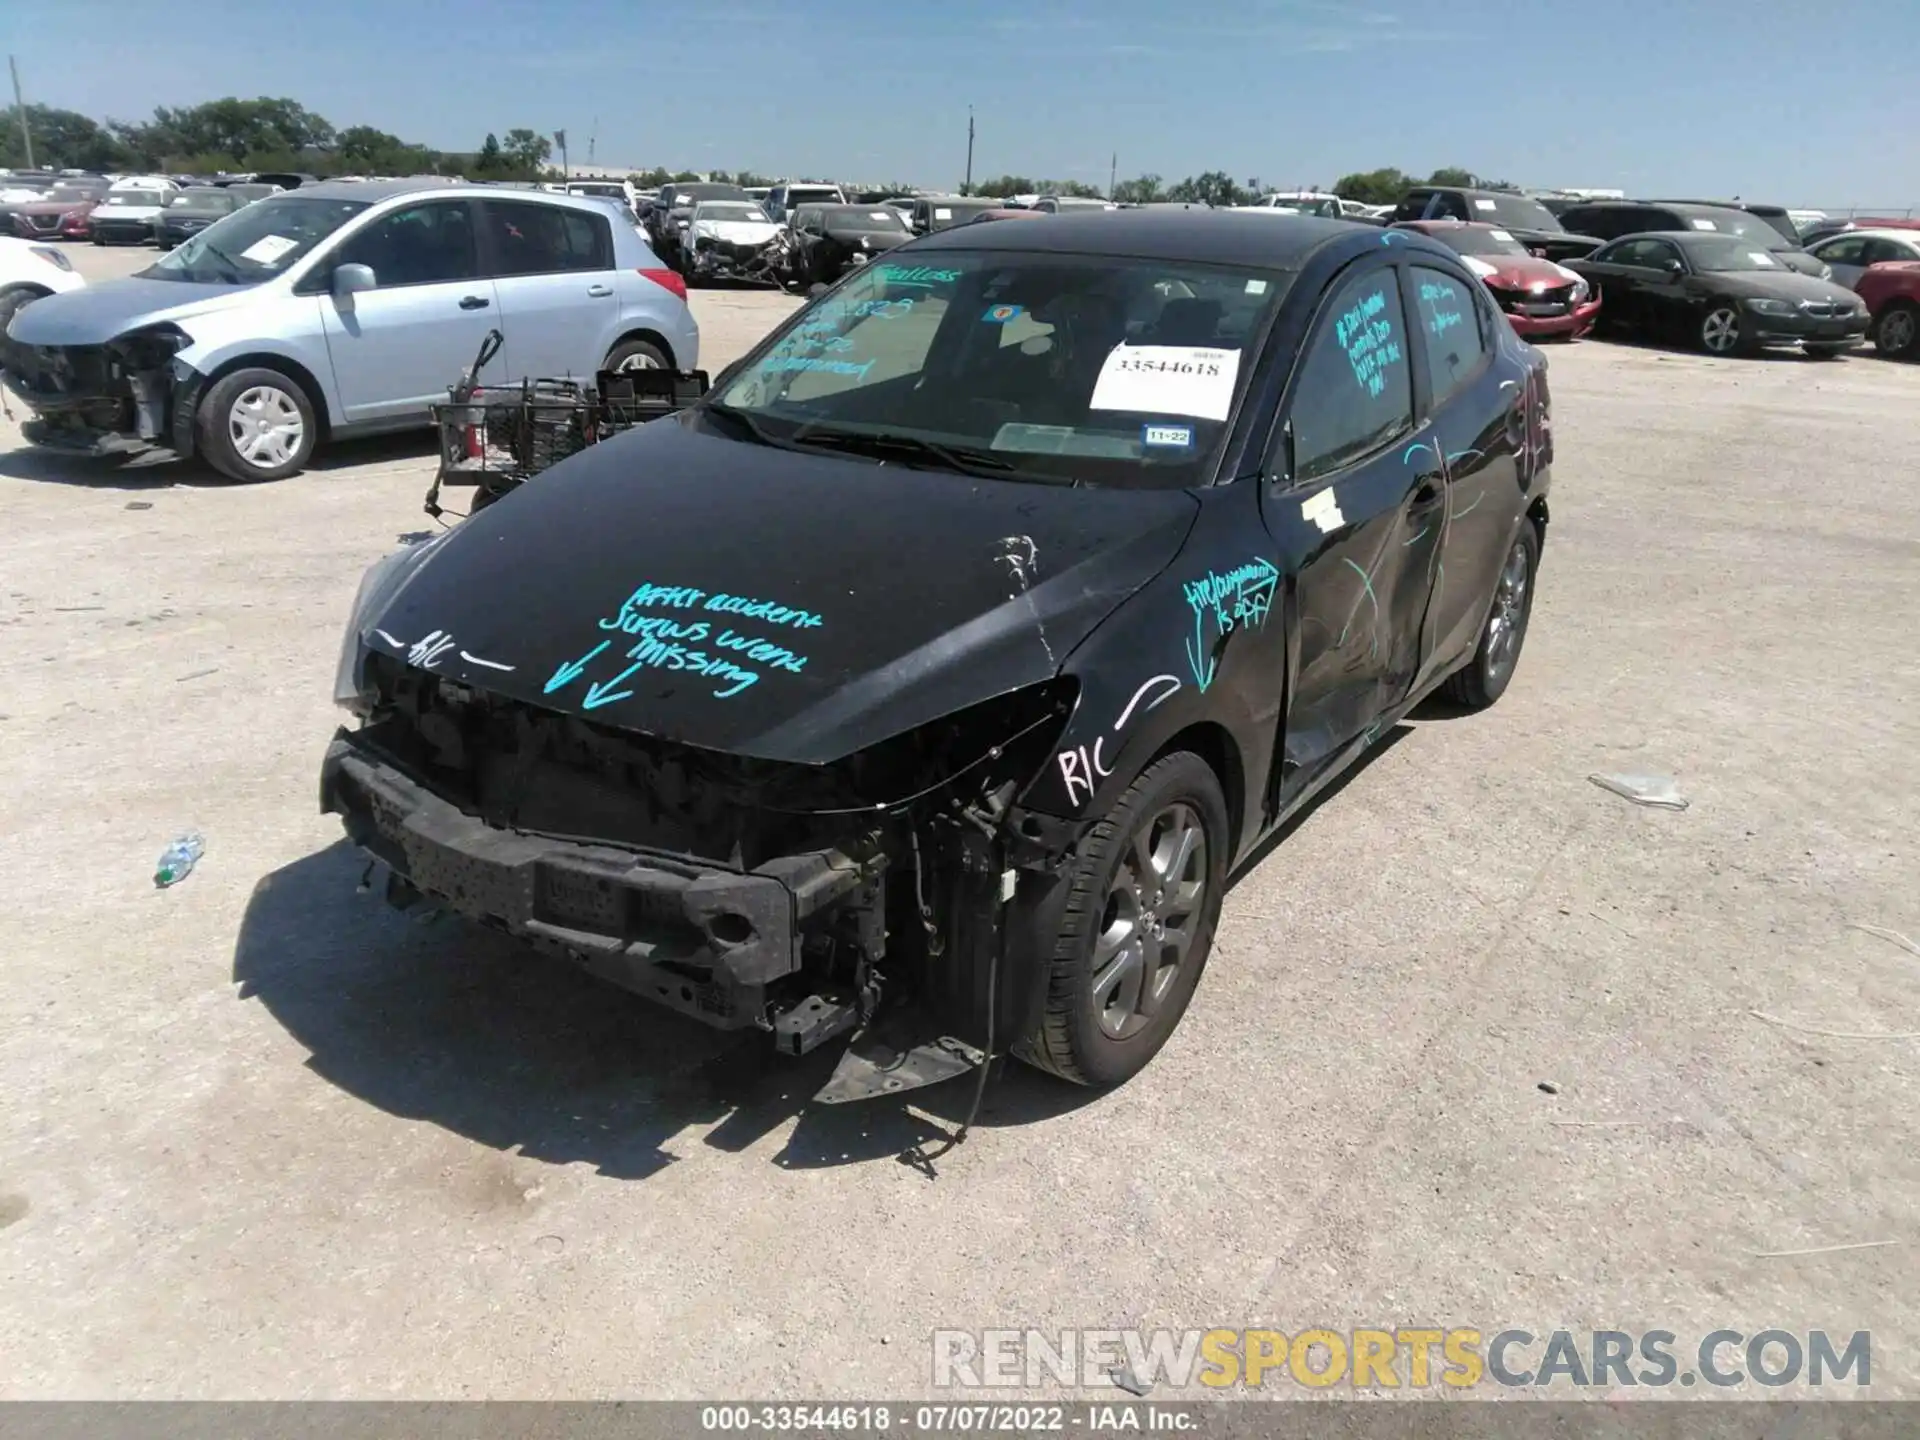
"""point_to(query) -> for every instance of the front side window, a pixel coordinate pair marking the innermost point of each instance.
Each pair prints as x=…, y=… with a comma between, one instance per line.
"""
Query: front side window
x=533, y=239
x=428, y=244
x=1847, y=250
x=1069, y=368
x=1354, y=392
x=255, y=242
x=1449, y=330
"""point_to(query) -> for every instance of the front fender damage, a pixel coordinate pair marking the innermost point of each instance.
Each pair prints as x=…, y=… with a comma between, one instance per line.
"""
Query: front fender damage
x=122, y=397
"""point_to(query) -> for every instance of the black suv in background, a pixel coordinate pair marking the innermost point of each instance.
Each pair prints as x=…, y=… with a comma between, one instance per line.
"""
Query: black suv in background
x=1521, y=216
x=1610, y=219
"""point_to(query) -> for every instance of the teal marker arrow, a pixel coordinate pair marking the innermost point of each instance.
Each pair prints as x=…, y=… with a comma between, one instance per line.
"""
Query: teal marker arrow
x=597, y=694
x=572, y=670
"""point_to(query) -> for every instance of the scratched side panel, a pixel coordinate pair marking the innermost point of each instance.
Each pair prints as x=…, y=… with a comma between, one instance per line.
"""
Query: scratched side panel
x=1202, y=644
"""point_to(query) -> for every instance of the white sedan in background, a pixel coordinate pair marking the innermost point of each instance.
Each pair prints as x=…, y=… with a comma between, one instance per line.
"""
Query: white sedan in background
x=28, y=270
x=1852, y=251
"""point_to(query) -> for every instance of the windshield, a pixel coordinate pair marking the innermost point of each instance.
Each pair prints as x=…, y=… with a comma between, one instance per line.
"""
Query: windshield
x=688, y=195
x=1052, y=368
x=1476, y=240
x=730, y=210
x=147, y=199
x=201, y=199
x=1716, y=254
x=255, y=242
x=70, y=194
x=1746, y=227
x=860, y=217
x=1514, y=211
x=1301, y=206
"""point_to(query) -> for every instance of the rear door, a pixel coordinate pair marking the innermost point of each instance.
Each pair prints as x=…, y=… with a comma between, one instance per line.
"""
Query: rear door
x=552, y=267
x=1475, y=430
x=395, y=349
x=1351, y=502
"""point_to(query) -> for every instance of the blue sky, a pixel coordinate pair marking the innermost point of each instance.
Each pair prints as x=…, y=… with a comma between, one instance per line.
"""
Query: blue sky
x=1768, y=99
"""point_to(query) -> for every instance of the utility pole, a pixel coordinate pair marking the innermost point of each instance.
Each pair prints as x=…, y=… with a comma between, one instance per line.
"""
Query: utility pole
x=593, y=139
x=566, y=170
x=1113, y=174
x=26, y=131
x=966, y=186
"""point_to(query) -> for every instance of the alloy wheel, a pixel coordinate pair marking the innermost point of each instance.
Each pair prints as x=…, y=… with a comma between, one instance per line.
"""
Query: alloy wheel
x=1508, y=620
x=1720, y=331
x=1897, y=331
x=1150, y=921
x=266, y=427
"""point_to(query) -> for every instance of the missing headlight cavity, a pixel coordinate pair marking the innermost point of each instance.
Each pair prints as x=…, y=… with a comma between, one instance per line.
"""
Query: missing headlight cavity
x=747, y=893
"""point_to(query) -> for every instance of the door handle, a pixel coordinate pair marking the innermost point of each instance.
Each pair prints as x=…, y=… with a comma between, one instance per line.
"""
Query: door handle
x=599, y=290
x=474, y=302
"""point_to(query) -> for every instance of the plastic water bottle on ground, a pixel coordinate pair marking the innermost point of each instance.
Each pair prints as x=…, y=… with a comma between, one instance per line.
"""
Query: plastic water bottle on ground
x=178, y=859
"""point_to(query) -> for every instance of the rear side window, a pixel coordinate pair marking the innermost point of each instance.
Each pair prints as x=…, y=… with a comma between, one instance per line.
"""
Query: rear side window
x=1413, y=205
x=1449, y=330
x=533, y=239
x=430, y=244
x=1354, y=393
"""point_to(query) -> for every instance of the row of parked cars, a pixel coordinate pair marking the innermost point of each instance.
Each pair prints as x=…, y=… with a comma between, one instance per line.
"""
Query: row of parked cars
x=158, y=210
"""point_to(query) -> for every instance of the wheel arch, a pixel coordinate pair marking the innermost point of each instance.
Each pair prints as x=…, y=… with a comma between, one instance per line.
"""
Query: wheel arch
x=1214, y=744
x=286, y=365
x=648, y=334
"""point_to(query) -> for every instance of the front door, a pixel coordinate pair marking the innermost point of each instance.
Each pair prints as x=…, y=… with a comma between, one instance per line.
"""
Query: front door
x=552, y=268
x=396, y=348
x=1350, y=503
x=1847, y=257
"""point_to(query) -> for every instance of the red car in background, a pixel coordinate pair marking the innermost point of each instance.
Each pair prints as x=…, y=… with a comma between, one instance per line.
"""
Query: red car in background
x=62, y=215
x=1542, y=300
x=1892, y=293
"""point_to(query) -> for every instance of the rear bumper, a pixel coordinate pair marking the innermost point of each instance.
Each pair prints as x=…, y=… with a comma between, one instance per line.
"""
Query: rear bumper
x=703, y=940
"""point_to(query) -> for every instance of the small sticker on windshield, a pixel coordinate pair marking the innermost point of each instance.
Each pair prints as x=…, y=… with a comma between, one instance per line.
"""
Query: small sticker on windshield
x=268, y=248
x=1256, y=287
x=1760, y=257
x=1177, y=437
x=1483, y=204
x=1703, y=225
x=879, y=214
x=1500, y=234
x=1001, y=314
x=942, y=213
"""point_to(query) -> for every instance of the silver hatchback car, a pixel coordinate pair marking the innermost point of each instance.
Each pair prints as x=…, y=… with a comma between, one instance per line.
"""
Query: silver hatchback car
x=336, y=310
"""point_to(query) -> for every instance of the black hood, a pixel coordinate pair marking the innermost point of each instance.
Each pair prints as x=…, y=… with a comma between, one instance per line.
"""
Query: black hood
x=1780, y=284
x=864, y=599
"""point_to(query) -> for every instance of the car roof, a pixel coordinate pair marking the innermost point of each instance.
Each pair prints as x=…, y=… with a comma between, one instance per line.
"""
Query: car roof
x=1205, y=236
x=1879, y=232
x=1432, y=225
x=377, y=190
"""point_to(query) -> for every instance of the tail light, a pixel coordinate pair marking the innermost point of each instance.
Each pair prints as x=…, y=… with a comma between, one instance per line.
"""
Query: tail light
x=668, y=280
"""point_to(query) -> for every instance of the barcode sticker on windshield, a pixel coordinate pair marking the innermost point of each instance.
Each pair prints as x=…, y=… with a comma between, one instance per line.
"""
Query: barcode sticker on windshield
x=1191, y=380
x=268, y=248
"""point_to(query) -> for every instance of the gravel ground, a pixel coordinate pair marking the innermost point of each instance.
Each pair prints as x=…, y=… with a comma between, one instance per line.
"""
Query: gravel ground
x=1477, y=1045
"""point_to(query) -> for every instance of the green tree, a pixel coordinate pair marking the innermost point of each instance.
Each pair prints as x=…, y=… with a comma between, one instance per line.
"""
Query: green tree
x=652, y=179
x=1142, y=190
x=526, y=151
x=62, y=139
x=492, y=159
x=1455, y=177
x=1373, y=187
x=685, y=177
x=1214, y=187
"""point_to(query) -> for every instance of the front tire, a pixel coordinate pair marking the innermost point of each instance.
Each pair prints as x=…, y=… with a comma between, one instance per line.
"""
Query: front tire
x=1719, y=332
x=1484, y=679
x=1142, y=900
x=257, y=425
x=1896, y=330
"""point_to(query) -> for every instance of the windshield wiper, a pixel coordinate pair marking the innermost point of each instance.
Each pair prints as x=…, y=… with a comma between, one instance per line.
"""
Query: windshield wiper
x=861, y=442
x=751, y=425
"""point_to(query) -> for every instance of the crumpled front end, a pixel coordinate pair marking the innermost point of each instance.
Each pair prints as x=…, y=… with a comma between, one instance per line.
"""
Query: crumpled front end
x=125, y=396
x=743, y=893
x=715, y=257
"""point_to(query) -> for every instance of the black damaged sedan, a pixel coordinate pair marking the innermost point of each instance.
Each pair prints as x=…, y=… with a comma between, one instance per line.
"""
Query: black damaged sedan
x=928, y=678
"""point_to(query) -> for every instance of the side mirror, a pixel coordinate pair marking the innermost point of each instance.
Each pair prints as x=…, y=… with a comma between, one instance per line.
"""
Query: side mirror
x=816, y=289
x=1673, y=267
x=350, y=280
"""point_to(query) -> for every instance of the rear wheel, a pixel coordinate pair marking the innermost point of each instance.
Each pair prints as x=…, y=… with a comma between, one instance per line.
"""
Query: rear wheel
x=1896, y=330
x=631, y=355
x=1485, y=678
x=1142, y=900
x=1720, y=328
x=257, y=425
